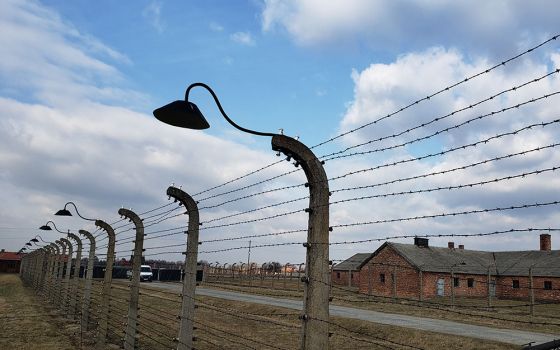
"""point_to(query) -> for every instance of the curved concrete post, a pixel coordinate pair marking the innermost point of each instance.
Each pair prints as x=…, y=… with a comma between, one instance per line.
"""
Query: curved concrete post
x=107, y=280
x=233, y=272
x=75, y=275
x=241, y=272
x=88, y=279
x=54, y=271
x=286, y=273
x=130, y=336
x=65, y=293
x=186, y=328
x=60, y=272
x=315, y=328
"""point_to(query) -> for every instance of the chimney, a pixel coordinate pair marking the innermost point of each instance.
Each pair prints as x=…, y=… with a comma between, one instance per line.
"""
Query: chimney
x=421, y=242
x=461, y=246
x=545, y=242
x=450, y=245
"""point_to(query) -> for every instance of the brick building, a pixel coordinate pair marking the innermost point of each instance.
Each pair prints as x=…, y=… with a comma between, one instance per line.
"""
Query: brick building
x=9, y=262
x=348, y=271
x=420, y=271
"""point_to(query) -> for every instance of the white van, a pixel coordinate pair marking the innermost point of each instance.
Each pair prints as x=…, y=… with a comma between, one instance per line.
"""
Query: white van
x=145, y=273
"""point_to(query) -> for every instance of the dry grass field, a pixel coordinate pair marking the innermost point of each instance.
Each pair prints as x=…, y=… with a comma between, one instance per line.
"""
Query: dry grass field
x=220, y=324
x=27, y=322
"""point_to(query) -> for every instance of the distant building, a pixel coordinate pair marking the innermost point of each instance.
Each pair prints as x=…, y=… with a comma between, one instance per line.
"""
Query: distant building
x=420, y=271
x=348, y=271
x=9, y=262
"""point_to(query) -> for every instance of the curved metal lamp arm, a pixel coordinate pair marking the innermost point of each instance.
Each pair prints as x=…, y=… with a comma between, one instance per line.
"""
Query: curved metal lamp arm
x=50, y=222
x=77, y=212
x=223, y=112
x=41, y=238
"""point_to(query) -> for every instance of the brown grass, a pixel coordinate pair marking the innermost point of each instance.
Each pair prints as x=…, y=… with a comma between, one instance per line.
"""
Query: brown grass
x=221, y=324
x=27, y=323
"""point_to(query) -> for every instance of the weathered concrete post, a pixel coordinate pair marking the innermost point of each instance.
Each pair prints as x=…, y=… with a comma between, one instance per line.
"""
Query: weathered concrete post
x=452, y=288
x=75, y=275
x=65, y=293
x=370, y=275
x=531, y=292
x=421, y=285
x=107, y=281
x=54, y=271
x=315, y=318
x=394, y=284
x=488, y=281
x=60, y=272
x=131, y=325
x=89, y=278
x=186, y=327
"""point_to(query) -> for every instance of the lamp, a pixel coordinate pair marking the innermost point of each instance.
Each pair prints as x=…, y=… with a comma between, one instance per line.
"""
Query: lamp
x=66, y=212
x=46, y=227
x=185, y=114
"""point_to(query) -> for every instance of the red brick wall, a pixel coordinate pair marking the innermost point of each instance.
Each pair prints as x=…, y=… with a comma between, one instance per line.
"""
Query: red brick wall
x=406, y=275
x=505, y=290
x=341, y=278
x=408, y=281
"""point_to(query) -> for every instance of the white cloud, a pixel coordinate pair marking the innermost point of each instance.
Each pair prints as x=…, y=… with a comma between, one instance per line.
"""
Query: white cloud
x=152, y=13
x=392, y=25
x=381, y=89
x=244, y=38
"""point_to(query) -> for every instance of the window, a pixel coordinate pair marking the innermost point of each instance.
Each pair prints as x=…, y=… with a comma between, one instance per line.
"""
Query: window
x=548, y=285
x=515, y=284
x=455, y=281
x=338, y=275
x=382, y=277
x=470, y=282
x=352, y=275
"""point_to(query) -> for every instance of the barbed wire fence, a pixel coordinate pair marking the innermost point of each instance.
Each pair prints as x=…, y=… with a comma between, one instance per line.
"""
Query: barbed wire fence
x=484, y=168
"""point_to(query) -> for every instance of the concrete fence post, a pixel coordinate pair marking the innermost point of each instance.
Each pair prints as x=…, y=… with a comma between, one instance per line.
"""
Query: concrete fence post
x=88, y=279
x=66, y=293
x=75, y=275
x=531, y=292
x=394, y=283
x=488, y=281
x=186, y=327
x=60, y=272
x=452, y=287
x=131, y=325
x=420, y=285
x=54, y=272
x=48, y=268
x=315, y=318
x=107, y=281
x=370, y=279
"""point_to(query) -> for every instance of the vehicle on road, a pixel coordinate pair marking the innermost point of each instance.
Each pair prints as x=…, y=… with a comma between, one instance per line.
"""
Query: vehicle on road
x=145, y=273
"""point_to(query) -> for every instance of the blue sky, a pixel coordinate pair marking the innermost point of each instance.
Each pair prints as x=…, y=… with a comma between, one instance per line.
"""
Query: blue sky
x=79, y=80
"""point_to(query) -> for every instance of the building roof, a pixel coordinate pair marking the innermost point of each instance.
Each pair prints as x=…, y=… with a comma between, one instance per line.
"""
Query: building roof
x=440, y=259
x=353, y=263
x=12, y=256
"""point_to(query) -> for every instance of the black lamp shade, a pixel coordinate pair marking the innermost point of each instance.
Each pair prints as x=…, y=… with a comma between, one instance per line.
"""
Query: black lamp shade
x=182, y=114
x=45, y=228
x=29, y=244
x=35, y=240
x=63, y=212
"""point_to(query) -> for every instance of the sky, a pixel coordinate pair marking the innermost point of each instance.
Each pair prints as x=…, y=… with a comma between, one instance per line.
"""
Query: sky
x=79, y=81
